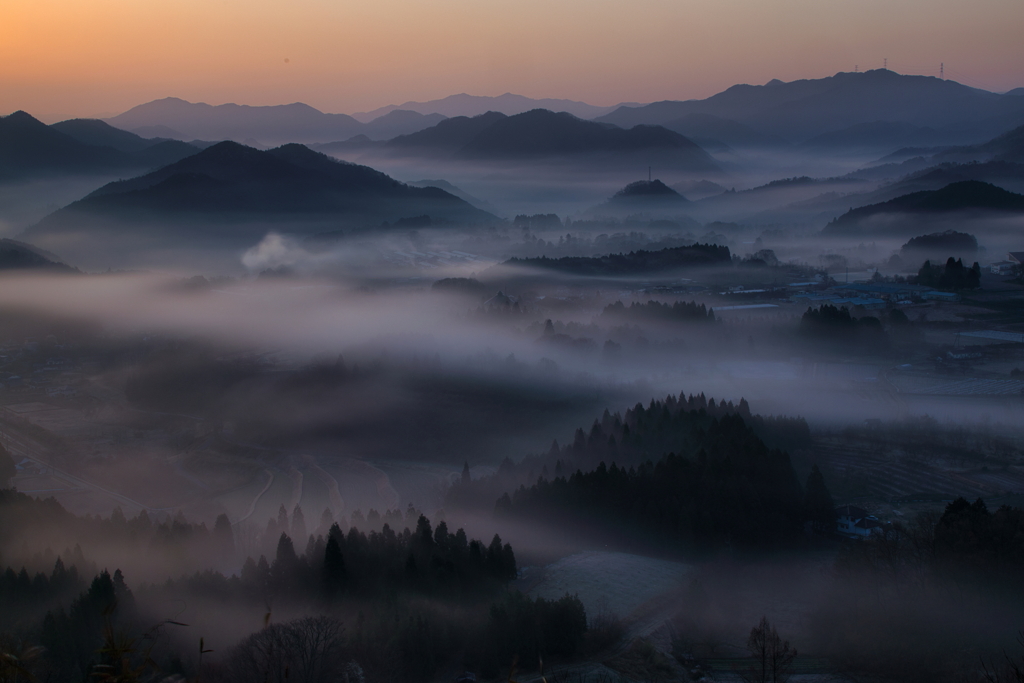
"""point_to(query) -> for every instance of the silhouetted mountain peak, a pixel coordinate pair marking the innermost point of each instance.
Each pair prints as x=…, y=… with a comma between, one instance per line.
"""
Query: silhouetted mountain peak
x=648, y=188
x=21, y=117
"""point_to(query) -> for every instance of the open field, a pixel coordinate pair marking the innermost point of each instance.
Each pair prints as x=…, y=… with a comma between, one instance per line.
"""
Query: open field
x=607, y=582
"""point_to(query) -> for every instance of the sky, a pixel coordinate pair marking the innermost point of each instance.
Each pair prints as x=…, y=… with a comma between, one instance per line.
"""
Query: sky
x=66, y=58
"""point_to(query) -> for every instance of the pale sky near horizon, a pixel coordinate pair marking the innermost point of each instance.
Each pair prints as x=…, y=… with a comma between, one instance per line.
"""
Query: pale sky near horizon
x=66, y=58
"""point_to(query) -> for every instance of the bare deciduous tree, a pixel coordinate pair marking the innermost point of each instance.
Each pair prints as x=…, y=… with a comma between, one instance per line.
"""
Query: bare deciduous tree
x=773, y=657
x=306, y=650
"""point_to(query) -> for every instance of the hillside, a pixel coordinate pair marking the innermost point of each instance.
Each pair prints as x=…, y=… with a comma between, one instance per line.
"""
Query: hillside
x=967, y=195
x=707, y=128
x=1006, y=147
x=874, y=136
x=17, y=256
x=543, y=134
x=800, y=110
x=447, y=136
x=149, y=152
x=232, y=192
x=30, y=149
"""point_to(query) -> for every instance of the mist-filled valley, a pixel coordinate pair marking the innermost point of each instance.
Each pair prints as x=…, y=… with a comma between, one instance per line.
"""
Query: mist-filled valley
x=485, y=389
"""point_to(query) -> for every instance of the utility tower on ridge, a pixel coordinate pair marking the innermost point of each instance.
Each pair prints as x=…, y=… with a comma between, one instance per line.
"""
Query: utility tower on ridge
x=942, y=71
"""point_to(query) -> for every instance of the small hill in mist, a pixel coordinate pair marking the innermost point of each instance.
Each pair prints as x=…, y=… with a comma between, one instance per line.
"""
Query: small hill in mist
x=234, y=194
x=800, y=110
x=939, y=246
x=277, y=124
x=649, y=197
x=648, y=189
x=971, y=196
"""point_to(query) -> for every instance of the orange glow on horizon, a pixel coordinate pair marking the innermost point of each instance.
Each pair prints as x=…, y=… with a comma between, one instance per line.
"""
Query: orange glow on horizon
x=64, y=58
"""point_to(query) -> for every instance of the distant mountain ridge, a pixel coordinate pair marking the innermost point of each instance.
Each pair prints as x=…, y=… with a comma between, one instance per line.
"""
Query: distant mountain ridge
x=800, y=110
x=269, y=125
x=508, y=104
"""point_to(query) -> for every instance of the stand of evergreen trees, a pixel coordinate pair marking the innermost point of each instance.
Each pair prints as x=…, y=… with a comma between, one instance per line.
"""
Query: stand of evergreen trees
x=678, y=425
x=954, y=275
x=733, y=490
x=655, y=311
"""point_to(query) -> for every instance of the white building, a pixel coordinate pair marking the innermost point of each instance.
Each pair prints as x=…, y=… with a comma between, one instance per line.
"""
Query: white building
x=856, y=522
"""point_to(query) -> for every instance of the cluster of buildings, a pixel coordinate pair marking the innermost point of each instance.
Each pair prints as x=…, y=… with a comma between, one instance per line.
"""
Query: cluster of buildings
x=1010, y=266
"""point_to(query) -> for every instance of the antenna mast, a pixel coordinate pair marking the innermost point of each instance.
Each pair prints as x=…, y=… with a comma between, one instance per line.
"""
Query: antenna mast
x=942, y=71
x=885, y=63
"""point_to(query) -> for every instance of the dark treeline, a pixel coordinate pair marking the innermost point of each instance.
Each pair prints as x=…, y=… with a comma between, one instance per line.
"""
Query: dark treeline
x=729, y=489
x=426, y=561
x=426, y=599
x=655, y=311
x=634, y=262
x=835, y=324
x=947, y=241
x=713, y=450
x=954, y=275
x=25, y=597
x=174, y=544
x=975, y=545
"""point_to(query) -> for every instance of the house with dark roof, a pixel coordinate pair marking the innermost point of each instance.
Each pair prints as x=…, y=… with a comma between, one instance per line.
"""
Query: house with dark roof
x=855, y=522
x=1016, y=256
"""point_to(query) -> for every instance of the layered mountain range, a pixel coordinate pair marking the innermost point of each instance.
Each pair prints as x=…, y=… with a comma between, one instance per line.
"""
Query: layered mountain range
x=872, y=110
x=31, y=149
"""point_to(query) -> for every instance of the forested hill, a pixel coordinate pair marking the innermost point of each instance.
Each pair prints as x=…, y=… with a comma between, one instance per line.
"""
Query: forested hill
x=633, y=263
x=733, y=491
x=966, y=195
x=683, y=469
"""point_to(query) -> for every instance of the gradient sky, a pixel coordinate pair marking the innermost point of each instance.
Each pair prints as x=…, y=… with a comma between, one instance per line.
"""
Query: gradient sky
x=64, y=58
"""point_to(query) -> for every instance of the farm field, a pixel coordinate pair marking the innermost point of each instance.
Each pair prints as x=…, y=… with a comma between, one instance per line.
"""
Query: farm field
x=607, y=582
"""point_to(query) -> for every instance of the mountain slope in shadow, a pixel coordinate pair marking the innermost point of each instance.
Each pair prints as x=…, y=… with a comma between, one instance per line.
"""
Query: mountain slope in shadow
x=542, y=135
x=969, y=196
x=29, y=149
x=231, y=195
x=800, y=110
